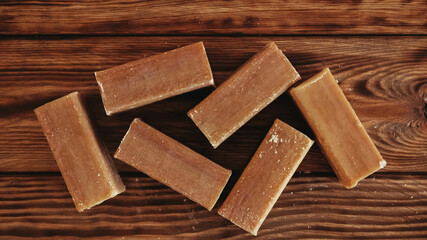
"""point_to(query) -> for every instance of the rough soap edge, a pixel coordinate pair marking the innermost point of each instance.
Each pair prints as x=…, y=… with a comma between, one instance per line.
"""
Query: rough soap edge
x=229, y=172
x=116, y=188
x=211, y=81
x=107, y=165
x=112, y=195
x=101, y=90
x=123, y=139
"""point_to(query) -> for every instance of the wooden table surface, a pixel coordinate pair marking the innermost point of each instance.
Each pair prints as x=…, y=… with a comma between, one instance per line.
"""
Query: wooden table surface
x=376, y=50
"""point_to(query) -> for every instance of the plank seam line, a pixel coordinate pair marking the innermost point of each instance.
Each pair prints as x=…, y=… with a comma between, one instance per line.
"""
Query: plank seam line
x=46, y=36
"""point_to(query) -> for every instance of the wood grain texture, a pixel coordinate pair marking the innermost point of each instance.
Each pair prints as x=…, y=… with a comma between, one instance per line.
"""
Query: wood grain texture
x=383, y=78
x=51, y=48
x=386, y=205
x=213, y=17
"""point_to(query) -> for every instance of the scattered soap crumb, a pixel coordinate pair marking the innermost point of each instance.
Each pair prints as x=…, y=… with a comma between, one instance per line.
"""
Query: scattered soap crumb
x=274, y=138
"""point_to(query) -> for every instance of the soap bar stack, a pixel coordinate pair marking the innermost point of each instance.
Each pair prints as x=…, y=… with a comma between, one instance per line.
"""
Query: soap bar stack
x=90, y=174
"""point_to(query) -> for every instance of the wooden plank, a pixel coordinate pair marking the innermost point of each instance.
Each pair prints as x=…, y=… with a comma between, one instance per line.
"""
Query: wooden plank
x=383, y=77
x=382, y=206
x=213, y=17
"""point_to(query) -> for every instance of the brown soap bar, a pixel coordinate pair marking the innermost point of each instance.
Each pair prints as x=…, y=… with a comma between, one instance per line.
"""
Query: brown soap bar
x=154, y=78
x=265, y=177
x=250, y=89
x=83, y=160
x=341, y=136
x=172, y=164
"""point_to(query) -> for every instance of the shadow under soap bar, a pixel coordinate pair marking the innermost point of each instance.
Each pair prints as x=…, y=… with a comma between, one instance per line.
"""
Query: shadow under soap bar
x=249, y=90
x=265, y=177
x=154, y=78
x=82, y=158
x=172, y=164
x=340, y=134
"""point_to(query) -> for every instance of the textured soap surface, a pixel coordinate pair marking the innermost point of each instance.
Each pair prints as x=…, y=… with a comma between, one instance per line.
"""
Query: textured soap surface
x=83, y=160
x=172, y=164
x=250, y=89
x=265, y=177
x=154, y=78
x=340, y=134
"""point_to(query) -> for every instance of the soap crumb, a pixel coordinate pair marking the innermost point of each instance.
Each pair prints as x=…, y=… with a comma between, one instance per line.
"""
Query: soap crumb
x=274, y=138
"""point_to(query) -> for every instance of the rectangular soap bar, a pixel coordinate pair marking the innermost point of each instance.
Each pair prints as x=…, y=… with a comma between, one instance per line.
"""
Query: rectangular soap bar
x=154, y=78
x=341, y=136
x=250, y=89
x=84, y=161
x=172, y=164
x=265, y=177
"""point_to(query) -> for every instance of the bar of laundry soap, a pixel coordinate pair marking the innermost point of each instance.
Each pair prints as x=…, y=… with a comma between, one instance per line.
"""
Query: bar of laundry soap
x=340, y=134
x=172, y=164
x=154, y=78
x=265, y=177
x=250, y=89
x=84, y=161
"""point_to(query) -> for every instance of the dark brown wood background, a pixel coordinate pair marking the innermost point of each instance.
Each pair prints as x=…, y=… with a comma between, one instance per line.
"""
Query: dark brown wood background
x=377, y=51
